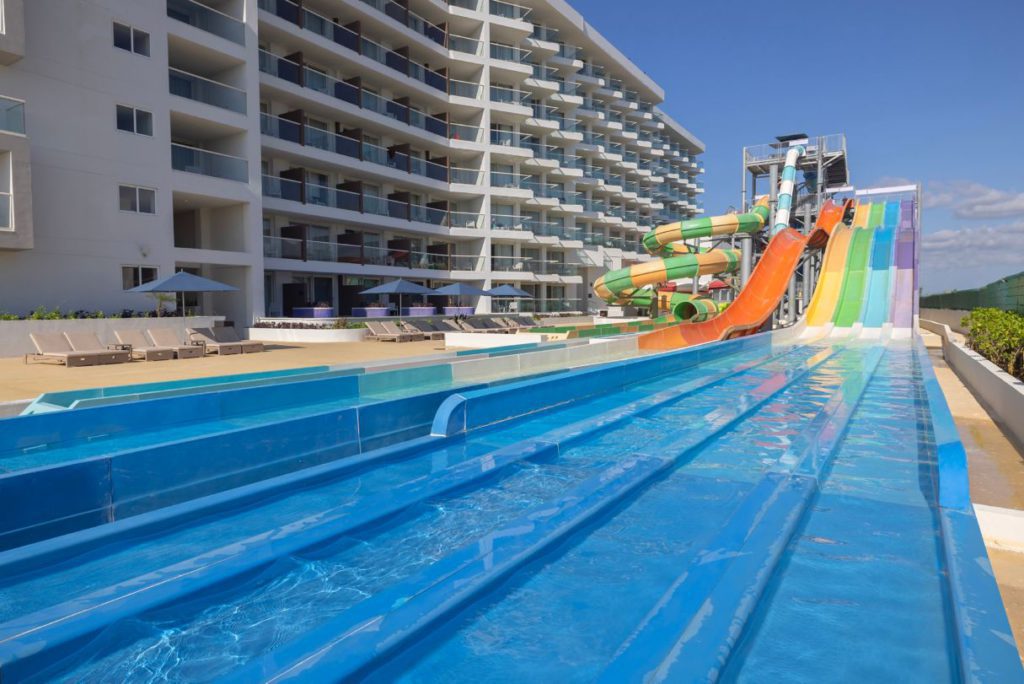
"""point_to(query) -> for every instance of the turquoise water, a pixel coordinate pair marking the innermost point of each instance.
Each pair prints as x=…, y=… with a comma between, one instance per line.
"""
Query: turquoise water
x=862, y=568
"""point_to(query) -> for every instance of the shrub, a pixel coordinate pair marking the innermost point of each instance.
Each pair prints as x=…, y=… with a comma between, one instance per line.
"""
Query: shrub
x=998, y=336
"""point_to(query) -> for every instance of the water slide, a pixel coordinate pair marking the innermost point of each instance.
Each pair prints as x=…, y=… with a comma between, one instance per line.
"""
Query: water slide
x=764, y=290
x=876, y=303
x=627, y=285
x=867, y=278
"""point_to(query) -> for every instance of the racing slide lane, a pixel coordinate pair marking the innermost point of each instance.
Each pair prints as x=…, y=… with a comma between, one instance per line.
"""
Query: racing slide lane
x=876, y=304
x=761, y=295
x=830, y=282
x=851, y=296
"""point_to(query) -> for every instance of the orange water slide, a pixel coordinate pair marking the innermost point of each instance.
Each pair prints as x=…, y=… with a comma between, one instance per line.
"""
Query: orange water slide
x=762, y=293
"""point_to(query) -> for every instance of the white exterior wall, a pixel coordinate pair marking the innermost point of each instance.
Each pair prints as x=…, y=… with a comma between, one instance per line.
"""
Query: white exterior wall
x=71, y=76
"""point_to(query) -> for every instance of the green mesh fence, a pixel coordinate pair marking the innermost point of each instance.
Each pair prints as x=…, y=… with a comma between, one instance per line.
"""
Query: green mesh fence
x=1006, y=294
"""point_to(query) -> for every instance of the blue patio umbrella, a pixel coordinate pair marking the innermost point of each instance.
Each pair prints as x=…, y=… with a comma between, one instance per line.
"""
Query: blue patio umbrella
x=399, y=287
x=461, y=289
x=509, y=291
x=181, y=282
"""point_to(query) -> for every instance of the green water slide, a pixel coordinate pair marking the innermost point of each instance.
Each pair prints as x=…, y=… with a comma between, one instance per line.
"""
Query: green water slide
x=851, y=297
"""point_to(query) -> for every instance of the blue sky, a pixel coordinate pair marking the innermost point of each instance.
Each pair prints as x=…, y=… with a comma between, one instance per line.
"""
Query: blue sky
x=930, y=91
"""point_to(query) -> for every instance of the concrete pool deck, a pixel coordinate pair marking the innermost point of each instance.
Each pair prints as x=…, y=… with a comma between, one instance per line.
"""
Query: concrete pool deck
x=997, y=477
x=20, y=381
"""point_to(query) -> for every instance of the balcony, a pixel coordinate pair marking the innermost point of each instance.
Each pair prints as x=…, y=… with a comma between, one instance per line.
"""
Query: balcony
x=324, y=27
x=336, y=198
x=306, y=135
x=362, y=98
x=192, y=87
x=208, y=19
x=503, y=95
x=508, y=10
x=465, y=89
x=366, y=255
x=12, y=115
x=468, y=46
x=509, y=53
x=410, y=19
x=195, y=160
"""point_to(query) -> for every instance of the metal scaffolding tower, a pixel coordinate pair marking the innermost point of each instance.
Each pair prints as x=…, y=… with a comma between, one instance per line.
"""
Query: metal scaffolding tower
x=822, y=172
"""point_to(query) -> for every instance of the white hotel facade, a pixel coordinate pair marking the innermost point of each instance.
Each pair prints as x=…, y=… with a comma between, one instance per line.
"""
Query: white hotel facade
x=305, y=151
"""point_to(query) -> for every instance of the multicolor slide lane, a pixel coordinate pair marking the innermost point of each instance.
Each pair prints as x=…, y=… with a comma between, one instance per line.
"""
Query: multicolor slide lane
x=851, y=295
x=876, y=301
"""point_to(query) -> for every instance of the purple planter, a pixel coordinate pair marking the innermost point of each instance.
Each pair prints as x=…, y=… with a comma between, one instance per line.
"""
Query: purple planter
x=459, y=310
x=419, y=311
x=313, y=312
x=370, y=311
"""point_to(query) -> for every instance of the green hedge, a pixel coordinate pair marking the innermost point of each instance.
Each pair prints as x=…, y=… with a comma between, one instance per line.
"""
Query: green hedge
x=999, y=337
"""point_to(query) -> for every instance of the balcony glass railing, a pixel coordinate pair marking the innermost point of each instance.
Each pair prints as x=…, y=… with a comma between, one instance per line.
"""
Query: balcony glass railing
x=473, y=5
x=508, y=10
x=184, y=84
x=508, y=53
x=410, y=19
x=469, y=46
x=507, y=138
x=506, y=179
x=464, y=89
x=569, y=51
x=509, y=222
x=208, y=19
x=367, y=255
x=545, y=33
x=336, y=198
x=291, y=131
x=360, y=97
x=514, y=264
x=12, y=115
x=351, y=40
x=508, y=95
x=196, y=160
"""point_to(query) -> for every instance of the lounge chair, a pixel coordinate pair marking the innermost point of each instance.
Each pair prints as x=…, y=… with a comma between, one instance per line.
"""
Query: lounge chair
x=169, y=339
x=485, y=325
x=142, y=348
x=509, y=323
x=86, y=341
x=381, y=334
x=228, y=335
x=393, y=329
x=55, y=348
x=431, y=331
x=206, y=337
x=452, y=325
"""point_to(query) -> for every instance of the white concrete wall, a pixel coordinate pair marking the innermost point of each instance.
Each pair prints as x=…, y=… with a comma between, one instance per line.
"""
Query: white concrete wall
x=1001, y=394
x=950, y=317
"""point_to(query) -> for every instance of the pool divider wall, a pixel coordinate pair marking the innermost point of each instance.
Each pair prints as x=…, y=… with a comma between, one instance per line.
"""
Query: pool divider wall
x=39, y=503
x=467, y=411
x=986, y=649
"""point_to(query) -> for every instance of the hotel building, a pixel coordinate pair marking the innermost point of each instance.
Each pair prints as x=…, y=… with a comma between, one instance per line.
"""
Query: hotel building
x=304, y=151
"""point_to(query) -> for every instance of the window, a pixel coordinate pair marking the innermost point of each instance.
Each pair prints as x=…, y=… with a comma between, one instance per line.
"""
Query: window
x=131, y=39
x=136, y=199
x=133, y=276
x=134, y=120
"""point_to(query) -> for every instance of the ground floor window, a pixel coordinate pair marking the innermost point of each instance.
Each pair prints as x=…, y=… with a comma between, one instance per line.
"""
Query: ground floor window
x=133, y=276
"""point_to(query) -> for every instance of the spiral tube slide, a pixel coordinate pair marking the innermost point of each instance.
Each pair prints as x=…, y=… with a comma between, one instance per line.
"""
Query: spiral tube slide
x=621, y=286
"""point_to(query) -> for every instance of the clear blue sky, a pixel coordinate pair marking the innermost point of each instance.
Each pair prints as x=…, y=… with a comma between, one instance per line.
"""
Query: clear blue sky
x=930, y=91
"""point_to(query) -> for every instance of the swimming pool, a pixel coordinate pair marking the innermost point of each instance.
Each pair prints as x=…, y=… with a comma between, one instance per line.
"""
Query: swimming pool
x=735, y=510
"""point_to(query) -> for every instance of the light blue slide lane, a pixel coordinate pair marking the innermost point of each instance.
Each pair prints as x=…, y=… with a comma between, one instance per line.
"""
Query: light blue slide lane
x=876, y=307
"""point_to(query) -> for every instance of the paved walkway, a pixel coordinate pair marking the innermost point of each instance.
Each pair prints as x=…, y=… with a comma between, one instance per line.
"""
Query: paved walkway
x=20, y=381
x=997, y=476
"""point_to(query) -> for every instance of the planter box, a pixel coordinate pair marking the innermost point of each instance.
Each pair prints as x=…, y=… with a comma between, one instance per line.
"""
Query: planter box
x=1001, y=394
x=313, y=312
x=15, y=341
x=370, y=311
x=297, y=335
x=459, y=310
x=419, y=311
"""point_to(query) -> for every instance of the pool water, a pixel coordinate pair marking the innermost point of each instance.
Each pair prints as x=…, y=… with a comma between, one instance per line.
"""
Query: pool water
x=680, y=464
